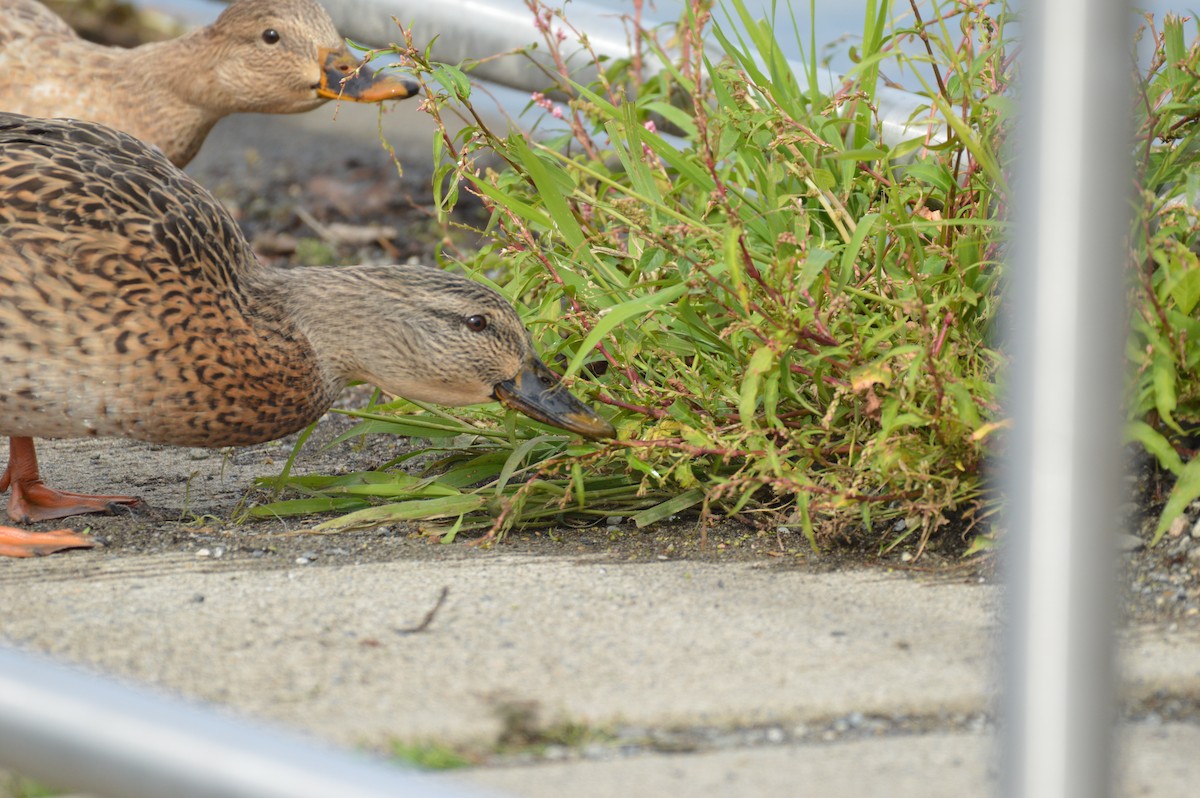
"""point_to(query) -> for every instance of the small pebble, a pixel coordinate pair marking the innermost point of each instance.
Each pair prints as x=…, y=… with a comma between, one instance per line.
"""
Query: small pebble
x=556, y=753
x=1127, y=542
x=203, y=553
x=614, y=520
x=906, y=557
x=599, y=751
x=1178, y=526
x=1196, y=529
x=302, y=561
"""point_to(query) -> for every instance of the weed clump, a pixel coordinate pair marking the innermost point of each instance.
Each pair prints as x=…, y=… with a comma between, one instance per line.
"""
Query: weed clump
x=783, y=306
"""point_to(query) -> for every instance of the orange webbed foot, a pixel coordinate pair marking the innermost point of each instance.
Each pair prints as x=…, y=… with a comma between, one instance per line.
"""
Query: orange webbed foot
x=36, y=502
x=19, y=543
x=31, y=500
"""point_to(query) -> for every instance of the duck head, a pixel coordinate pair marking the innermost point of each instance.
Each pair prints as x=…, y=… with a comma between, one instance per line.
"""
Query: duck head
x=436, y=337
x=306, y=62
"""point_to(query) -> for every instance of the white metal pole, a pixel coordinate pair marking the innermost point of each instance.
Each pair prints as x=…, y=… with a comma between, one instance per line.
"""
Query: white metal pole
x=1072, y=189
x=76, y=731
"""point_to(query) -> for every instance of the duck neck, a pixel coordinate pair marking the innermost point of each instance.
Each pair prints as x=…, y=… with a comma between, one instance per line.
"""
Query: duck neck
x=299, y=303
x=365, y=323
x=177, y=81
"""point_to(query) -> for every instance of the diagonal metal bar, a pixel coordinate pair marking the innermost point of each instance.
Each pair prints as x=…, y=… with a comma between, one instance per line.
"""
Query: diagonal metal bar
x=77, y=731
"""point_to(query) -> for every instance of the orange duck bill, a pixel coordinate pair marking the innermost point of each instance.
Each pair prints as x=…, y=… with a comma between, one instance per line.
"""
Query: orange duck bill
x=342, y=78
x=538, y=393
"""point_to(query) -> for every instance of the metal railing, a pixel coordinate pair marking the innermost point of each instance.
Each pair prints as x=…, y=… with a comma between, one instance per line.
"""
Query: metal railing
x=73, y=730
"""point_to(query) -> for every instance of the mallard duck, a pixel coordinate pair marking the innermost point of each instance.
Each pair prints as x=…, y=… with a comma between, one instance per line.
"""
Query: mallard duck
x=132, y=306
x=267, y=56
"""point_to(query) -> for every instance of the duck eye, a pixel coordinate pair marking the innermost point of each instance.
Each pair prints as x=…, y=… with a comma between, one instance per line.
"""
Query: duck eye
x=477, y=323
x=270, y=36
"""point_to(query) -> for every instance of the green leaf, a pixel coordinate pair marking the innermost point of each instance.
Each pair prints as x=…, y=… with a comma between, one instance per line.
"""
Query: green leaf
x=1163, y=373
x=1157, y=445
x=676, y=116
x=1186, y=491
x=619, y=314
x=672, y=506
x=761, y=362
x=1186, y=290
x=554, y=186
x=517, y=459
x=454, y=81
x=311, y=506
x=416, y=510
x=933, y=172
x=850, y=253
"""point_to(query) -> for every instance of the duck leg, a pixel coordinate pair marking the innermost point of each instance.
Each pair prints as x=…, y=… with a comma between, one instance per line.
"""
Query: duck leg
x=32, y=501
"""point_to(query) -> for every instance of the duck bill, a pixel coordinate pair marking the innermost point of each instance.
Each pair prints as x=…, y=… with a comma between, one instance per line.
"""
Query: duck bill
x=365, y=86
x=538, y=393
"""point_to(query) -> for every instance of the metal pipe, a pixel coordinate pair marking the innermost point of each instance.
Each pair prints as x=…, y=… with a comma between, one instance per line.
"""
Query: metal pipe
x=1063, y=477
x=463, y=30
x=77, y=731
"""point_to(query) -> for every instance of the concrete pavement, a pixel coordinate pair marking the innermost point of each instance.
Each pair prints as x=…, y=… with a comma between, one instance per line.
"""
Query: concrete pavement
x=789, y=682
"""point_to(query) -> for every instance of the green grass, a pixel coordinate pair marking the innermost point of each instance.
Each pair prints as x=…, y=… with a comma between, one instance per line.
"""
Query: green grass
x=12, y=786
x=522, y=732
x=430, y=756
x=787, y=319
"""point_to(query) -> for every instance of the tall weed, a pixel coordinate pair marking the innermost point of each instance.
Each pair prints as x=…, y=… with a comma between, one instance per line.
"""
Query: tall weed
x=1165, y=399
x=785, y=317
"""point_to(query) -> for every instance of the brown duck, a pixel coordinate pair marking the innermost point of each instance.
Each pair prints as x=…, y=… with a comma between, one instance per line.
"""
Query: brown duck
x=132, y=306
x=267, y=56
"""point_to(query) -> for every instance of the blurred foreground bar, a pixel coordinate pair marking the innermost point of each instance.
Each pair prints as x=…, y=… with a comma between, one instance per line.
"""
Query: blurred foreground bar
x=74, y=731
x=1063, y=478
